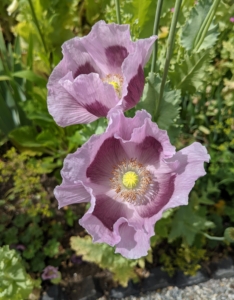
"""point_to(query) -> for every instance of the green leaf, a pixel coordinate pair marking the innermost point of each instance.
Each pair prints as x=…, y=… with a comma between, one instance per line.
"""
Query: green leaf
x=51, y=248
x=11, y=236
x=6, y=120
x=168, y=110
x=31, y=76
x=186, y=224
x=161, y=227
x=104, y=256
x=188, y=74
x=142, y=13
x=226, y=180
x=37, y=263
x=95, y=9
x=26, y=137
x=47, y=138
x=15, y=283
x=58, y=279
x=21, y=220
x=192, y=27
x=4, y=77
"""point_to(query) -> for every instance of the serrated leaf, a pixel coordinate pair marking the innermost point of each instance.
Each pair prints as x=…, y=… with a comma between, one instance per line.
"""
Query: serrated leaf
x=186, y=224
x=191, y=29
x=189, y=74
x=168, y=109
x=104, y=256
x=15, y=283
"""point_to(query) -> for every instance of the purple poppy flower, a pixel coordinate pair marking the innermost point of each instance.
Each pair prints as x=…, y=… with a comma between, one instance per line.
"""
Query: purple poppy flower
x=76, y=260
x=20, y=247
x=172, y=9
x=130, y=174
x=98, y=72
x=232, y=19
x=50, y=272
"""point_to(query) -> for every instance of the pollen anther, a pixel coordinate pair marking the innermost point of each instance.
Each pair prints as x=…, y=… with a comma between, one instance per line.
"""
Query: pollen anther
x=131, y=181
x=116, y=81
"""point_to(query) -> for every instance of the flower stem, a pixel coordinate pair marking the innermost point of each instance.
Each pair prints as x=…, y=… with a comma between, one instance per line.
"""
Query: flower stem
x=37, y=25
x=117, y=7
x=155, y=32
x=216, y=238
x=170, y=44
x=206, y=25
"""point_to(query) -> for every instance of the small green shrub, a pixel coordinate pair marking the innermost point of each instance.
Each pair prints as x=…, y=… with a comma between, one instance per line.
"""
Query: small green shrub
x=15, y=283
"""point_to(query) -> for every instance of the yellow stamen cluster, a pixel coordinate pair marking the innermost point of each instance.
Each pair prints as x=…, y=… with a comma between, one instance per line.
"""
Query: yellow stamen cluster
x=116, y=81
x=131, y=181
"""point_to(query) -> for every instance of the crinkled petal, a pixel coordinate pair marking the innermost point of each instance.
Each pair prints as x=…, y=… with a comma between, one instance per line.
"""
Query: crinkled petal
x=134, y=243
x=80, y=101
x=132, y=69
x=77, y=59
x=110, y=154
x=71, y=194
x=109, y=45
x=102, y=224
x=149, y=141
x=191, y=166
x=188, y=168
x=65, y=109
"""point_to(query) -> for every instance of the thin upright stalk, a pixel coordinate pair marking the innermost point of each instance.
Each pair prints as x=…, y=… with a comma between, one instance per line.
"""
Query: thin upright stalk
x=155, y=32
x=206, y=25
x=117, y=7
x=170, y=44
x=37, y=25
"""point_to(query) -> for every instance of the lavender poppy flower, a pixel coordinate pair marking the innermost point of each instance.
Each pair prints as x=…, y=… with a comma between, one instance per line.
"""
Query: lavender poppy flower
x=50, y=272
x=98, y=72
x=76, y=260
x=20, y=247
x=232, y=19
x=130, y=174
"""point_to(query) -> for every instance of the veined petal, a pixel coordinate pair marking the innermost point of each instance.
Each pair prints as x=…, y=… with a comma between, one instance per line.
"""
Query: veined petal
x=130, y=174
x=109, y=45
x=132, y=69
x=97, y=73
x=134, y=243
x=71, y=194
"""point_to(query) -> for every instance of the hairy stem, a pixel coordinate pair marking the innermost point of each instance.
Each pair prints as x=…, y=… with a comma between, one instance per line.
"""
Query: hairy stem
x=117, y=7
x=206, y=25
x=170, y=44
x=155, y=32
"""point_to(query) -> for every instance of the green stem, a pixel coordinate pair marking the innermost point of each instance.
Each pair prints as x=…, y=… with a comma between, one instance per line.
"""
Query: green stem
x=170, y=44
x=117, y=7
x=216, y=238
x=155, y=32
x=206, y=25
x=37, y=25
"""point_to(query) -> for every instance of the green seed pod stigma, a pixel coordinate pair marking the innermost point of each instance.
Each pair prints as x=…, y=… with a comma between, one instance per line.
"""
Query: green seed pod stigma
x=229, y=234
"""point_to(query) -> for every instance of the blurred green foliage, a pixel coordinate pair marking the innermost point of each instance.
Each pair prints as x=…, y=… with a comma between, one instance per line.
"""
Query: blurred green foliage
x=15, y=283
x=104, y=256
x=199, y=95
